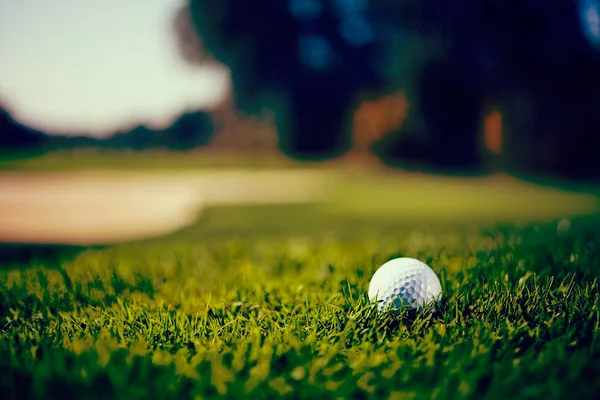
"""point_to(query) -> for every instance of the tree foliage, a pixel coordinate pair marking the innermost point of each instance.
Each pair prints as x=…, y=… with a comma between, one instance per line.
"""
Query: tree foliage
x=451, y=57
x=14, y=135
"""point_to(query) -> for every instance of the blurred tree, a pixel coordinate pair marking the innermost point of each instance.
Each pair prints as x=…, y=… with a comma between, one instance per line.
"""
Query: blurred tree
x=538, y=54
x=238, y=132
x=190, y=130
x=307, y=59
x=138, y=138
x=17, y=136
x=189, y=43
x=372, y=121
x=542, y=51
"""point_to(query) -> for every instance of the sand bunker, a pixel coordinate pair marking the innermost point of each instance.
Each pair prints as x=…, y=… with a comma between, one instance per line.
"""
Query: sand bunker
x=104, y=207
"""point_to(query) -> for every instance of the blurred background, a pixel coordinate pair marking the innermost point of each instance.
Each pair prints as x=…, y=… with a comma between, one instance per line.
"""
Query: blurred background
x=471, y=87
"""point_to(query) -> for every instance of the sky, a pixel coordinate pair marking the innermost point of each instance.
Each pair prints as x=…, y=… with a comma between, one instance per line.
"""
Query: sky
x=83, y=67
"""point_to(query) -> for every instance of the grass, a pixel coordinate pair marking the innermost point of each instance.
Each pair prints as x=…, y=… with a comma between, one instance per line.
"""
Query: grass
x=147, y=160
x=419, y=197
x=270, y=301
x=257, y=306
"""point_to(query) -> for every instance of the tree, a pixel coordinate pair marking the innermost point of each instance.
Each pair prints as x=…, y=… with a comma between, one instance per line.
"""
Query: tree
x=310, y=58
x=529, y=52
x=300, y=58
x=16, y=136
x=190, y=130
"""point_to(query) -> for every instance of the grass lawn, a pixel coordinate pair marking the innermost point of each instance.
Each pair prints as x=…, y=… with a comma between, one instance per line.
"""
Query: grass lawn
x=147, y=160
x=269, y=301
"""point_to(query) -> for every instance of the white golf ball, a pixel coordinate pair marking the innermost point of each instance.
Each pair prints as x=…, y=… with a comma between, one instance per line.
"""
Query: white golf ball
x=404, y=282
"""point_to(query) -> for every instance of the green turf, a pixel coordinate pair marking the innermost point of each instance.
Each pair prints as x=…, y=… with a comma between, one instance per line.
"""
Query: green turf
x=147, y=160
x=263, y=302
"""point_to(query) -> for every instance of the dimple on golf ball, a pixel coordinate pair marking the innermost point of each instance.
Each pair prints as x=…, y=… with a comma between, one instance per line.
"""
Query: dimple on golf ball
x=404, y=282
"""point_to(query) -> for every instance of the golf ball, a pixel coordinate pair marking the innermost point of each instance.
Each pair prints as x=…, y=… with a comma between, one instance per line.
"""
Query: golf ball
x=404, y=282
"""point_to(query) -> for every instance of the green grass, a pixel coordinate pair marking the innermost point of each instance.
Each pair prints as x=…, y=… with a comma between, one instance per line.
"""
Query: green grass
x=147, y=160
x=421, y=197
x=263, y=302
x=270, y=301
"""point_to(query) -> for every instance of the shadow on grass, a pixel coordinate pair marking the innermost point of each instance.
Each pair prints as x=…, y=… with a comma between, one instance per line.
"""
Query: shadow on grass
x=8, y=160
x=14, y=255
x=430, y=169
x=582, y=185
x=574, y=184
